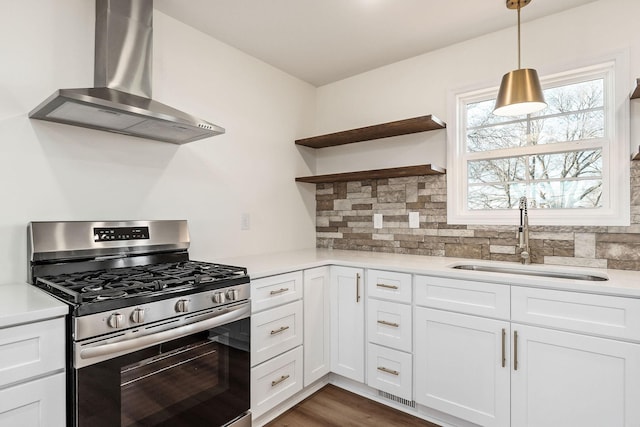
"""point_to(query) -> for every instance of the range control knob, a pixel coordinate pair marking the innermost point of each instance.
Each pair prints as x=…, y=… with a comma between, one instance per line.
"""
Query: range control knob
x=137, y=315
x=218, y=298
x=182, y=306
x=233, y=294
x=116, y=320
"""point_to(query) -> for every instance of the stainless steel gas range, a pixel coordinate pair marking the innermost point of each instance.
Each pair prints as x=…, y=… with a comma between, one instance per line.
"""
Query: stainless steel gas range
x=154, y=338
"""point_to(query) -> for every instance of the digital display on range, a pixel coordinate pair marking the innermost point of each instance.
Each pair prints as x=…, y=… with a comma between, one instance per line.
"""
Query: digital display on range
x=105, y=234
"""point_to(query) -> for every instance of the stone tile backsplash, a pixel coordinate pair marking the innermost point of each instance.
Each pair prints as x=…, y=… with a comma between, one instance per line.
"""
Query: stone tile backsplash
x=344, y=220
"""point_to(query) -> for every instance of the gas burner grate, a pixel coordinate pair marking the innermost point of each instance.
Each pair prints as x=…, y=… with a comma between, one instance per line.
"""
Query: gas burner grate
x=115, y=283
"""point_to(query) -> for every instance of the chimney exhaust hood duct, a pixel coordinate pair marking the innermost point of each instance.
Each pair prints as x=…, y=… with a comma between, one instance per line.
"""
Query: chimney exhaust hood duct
x=121, y=99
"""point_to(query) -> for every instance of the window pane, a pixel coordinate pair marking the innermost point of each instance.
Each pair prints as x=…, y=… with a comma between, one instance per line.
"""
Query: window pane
x=499, y=196
x=574, y=164
x=569, y=127
x=574, y=97
x=497, y=137
x=576, y=110
x=481, y=114
x=568, y=194
x=497, y=170
x=561, y=180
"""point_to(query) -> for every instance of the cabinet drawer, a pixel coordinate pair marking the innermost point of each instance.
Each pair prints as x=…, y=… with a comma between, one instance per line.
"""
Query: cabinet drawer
x=483, y=299
x=389, y=323
x=275, y=331
x=31, y=350
x=389, y=285
x=389, y=370
x=275, y=381
x=615, y=317
x=272, y=291
x=37, y=403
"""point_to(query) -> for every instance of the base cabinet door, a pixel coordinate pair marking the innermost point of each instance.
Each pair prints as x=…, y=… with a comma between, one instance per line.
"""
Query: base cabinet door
x=37, y=403
x=462, y=366
x=347, y=322
x=317, y=324
x=568, y=379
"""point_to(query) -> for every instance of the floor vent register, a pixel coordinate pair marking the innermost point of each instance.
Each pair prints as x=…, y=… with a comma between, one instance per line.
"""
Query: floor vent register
x=400, y=400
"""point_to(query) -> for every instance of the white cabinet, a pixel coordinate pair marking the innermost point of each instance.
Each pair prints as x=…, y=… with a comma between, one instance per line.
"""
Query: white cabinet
x=389, y=324
x=462, y=360
x=317, y=324
x=389, y=285
x=389, y=370
x=462, y=365
x=37, y=403
x=272, y=291
x=276, y=340
x=347, y=322
x=275, y=381
x=566, y=367
x=568, y=379
x=465, y=296
x=32, y=379
x=389, y=333
x=275, y=331
x=608, y=316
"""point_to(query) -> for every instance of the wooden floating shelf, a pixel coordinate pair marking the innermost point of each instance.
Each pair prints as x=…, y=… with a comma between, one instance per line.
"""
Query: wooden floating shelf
x=385, y=130
x=374, y=174
x=635, y=156
x=636, y=93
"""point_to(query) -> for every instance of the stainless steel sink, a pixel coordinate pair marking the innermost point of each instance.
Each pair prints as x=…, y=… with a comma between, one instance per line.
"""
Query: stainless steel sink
x=532, y=272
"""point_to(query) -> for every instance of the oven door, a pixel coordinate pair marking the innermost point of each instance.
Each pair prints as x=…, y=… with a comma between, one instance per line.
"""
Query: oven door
x=194, y=375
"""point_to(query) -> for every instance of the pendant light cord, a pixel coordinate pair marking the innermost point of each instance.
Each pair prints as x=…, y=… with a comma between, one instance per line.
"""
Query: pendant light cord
x=519, y=67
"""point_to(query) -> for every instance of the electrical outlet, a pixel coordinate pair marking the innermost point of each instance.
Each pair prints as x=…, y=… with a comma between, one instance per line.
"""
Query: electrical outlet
x=414, y=220
x=245, y=221
x=377, y=220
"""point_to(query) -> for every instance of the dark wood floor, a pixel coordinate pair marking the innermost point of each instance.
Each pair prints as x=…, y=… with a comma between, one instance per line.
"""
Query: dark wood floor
x=333, y=406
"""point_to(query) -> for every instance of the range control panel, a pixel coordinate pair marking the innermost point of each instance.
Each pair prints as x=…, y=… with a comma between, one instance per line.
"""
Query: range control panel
x=103, y=234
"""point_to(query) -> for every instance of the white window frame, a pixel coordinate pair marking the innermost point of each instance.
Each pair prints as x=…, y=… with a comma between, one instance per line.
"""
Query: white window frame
x=615, y=210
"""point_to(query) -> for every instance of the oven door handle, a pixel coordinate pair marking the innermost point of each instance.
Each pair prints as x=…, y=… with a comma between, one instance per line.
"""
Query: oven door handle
x=111, y=350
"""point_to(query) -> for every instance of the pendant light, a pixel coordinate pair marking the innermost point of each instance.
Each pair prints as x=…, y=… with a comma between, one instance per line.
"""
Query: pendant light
x=520, y=92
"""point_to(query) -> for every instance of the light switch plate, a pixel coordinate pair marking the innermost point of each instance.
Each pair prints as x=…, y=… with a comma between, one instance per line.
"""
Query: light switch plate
x=377, y=220
x=245, y=221
x=414, y=220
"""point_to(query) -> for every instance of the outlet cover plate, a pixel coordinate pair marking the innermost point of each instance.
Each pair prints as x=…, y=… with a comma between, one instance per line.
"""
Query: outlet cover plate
x=377, y=220
x=414, y=220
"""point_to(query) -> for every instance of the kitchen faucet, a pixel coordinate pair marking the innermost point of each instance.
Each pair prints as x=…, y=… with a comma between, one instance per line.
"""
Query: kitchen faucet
x=523, y=232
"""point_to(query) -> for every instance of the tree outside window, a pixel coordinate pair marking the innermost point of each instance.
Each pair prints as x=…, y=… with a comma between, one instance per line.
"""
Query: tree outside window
x=570, y=157
x=570, y=179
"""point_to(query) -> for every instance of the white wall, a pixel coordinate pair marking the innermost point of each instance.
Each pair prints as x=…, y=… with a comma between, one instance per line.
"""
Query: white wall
x=56, y=172
x=422, y=85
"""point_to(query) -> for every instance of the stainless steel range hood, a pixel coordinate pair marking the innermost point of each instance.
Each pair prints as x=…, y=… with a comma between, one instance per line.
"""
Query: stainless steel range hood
x=121, y=99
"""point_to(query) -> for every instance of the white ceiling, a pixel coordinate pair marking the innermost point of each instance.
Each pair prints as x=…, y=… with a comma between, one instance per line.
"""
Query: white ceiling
x=322, y=41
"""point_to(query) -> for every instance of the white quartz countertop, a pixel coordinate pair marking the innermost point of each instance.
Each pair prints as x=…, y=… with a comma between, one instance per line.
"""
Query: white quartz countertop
x=621, y=282
x=24, y=303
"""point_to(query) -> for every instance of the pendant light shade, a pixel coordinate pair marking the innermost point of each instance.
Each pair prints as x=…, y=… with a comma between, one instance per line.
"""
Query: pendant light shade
x=520, y=91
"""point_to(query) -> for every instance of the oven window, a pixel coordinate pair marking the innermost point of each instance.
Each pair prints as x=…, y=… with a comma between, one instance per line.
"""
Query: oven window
x=202, y=379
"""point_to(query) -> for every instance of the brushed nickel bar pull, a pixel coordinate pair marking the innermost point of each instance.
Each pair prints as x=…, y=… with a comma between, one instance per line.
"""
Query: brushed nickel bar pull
x=383, y=285
x=357, y=287
x=281, y=329
x=504, y=350
x=384, y=322
x=388, y=371
x=279, y=380
x=279, y=291
x=515, y=350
